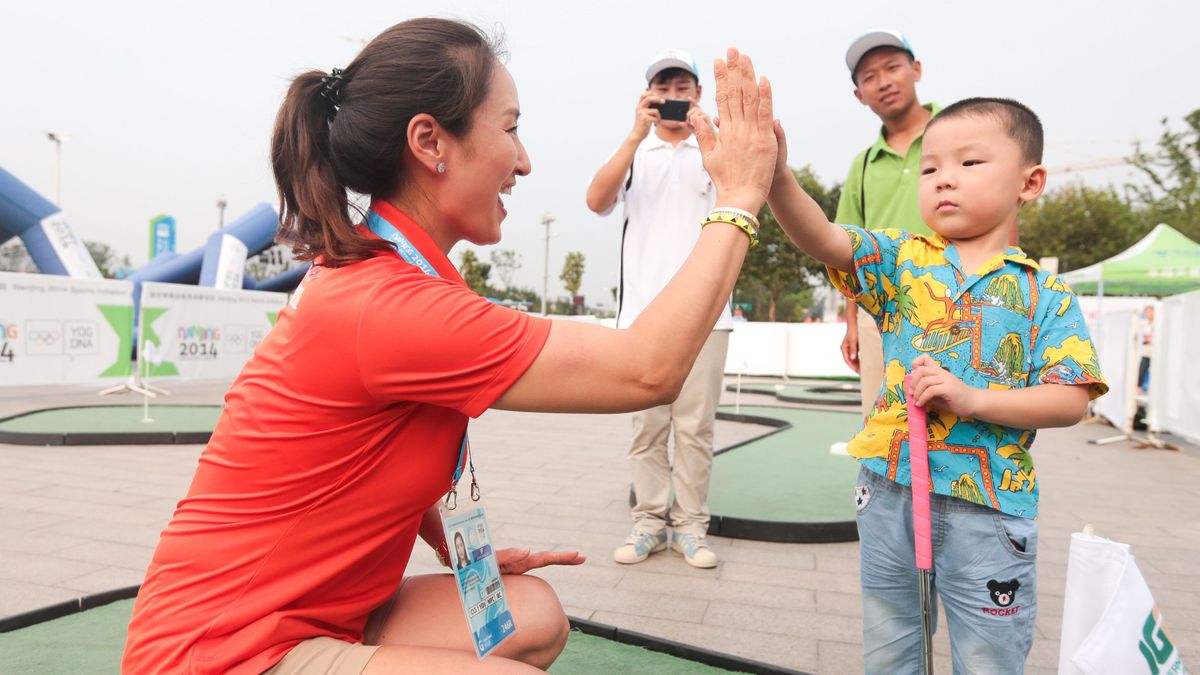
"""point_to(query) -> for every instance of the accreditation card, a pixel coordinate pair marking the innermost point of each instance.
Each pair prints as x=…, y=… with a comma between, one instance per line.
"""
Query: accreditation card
x=477, y=577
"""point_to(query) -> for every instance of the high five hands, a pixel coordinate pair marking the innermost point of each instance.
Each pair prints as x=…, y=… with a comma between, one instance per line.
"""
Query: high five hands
x=740, y=159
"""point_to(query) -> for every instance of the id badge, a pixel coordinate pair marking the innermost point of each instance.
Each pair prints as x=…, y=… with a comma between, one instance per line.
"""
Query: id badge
x=477, y=577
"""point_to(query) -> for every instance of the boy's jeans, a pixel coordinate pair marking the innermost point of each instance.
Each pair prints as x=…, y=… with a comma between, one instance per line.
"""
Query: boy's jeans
x=977, y=555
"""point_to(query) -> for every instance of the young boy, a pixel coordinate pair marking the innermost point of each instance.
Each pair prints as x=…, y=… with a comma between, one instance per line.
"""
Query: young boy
x=997, y=348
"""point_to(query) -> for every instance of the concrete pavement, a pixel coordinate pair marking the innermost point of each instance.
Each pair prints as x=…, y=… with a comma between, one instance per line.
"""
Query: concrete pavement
x=80, y=520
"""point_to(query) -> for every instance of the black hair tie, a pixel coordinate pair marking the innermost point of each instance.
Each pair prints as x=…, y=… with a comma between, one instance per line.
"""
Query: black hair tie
x=331, y=91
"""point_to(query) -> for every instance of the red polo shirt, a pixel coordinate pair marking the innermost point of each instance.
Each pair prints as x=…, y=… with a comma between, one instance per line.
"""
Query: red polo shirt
x=339, y=433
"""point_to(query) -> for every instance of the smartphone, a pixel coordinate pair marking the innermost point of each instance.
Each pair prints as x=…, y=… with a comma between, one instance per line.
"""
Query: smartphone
x=673, y=109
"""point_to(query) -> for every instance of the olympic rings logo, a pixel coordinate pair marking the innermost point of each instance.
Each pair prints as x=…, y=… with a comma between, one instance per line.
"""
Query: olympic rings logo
x=43, y=337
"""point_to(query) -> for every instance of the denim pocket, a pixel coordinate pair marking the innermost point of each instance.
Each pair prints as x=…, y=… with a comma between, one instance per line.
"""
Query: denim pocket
x=868, y=489
x=1018, y=536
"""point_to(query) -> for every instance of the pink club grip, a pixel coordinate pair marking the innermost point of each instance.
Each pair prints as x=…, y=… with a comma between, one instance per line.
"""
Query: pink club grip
x=918, y=455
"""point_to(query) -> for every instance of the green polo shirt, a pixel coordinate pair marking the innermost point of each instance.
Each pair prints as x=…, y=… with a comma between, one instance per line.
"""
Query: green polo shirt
x=890, y=180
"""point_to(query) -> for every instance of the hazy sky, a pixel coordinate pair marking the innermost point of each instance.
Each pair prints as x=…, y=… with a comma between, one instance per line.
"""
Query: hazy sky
x=169, y=105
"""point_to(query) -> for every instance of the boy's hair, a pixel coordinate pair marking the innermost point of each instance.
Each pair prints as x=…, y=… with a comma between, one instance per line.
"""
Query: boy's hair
x=1019, y=122
x=665, y=76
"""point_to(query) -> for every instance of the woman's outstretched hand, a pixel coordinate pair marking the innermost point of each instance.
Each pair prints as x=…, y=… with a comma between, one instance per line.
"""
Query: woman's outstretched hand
x=741, y=158
x=521, y=560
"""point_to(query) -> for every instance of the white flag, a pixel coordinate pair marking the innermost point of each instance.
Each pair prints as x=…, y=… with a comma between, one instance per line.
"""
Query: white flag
x=1110, y=622
x=151, y=354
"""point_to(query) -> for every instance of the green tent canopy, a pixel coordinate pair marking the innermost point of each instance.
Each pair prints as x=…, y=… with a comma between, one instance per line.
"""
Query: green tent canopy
x=1163, y=263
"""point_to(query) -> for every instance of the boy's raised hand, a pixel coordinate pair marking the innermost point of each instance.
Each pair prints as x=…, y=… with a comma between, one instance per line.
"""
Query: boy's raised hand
x=932, y=384
x=741, y=158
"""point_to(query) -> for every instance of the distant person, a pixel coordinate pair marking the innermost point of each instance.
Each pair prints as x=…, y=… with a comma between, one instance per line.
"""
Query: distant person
x=739, y=314
x=881, y=186
x=659, y=174
x=1146, y=347
x=997, y=349
x=343, y=431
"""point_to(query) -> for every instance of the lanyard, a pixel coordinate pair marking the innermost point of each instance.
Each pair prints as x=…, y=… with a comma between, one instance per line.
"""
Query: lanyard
x=464, y=458
x=404, y=247
x=412, y=256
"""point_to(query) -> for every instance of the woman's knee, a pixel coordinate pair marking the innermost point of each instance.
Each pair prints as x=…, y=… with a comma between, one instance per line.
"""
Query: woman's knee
x=542, y=625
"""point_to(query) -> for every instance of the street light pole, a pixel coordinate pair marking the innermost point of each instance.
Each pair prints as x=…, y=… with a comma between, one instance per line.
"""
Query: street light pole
x=546, y=220
x=221, y=204
x=58, y=141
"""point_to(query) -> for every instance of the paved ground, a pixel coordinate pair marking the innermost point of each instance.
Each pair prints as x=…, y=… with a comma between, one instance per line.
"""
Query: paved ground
x=78, y=520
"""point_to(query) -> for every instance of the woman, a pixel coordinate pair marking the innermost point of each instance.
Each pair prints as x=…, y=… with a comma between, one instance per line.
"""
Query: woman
x=460, y=551
x=342, y=432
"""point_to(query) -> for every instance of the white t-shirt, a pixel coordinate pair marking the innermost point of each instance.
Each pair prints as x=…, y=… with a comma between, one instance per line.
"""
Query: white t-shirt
x=666, y=202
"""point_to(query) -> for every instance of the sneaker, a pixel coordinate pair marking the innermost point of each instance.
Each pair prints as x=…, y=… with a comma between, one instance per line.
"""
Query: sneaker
x=694, y=549
x=639, y=546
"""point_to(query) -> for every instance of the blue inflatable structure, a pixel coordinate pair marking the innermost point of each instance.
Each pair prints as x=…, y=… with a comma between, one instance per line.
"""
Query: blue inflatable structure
x=56, y=250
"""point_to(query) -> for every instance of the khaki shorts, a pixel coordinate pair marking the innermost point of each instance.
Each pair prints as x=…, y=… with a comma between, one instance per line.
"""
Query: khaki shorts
x=870, y=360
x=325, y=656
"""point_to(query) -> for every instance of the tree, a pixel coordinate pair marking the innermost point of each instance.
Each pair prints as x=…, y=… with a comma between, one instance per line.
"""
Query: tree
x=15, y=258
x=776, y=272
x=1080, y=225
x=474, y=272
x=107, y=258
x=506, y=262
x=1173, y=195
x=572, y=272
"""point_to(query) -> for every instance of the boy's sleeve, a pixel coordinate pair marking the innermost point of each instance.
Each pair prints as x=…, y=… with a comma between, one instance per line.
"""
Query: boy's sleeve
x=849, y=209
x=1063, y=352
x=874, y=257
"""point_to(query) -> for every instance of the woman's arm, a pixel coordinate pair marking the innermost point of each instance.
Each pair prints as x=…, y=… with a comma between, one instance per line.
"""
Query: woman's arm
x=585, y=368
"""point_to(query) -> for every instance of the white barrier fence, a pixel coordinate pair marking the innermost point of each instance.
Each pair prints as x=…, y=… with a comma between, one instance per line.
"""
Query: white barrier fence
x=1116, y=345
x=204, y=333
x=59, y=330
x=1174, y=404
x=787, y=349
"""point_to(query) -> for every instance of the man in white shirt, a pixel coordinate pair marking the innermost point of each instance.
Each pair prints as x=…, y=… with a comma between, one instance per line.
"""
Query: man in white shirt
x=660, y=176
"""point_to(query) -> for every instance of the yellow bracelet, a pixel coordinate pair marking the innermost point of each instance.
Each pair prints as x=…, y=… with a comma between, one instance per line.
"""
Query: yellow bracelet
x=740, y=219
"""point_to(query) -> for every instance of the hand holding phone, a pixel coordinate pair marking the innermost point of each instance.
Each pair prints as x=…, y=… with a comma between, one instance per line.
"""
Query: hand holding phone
x=673, y=109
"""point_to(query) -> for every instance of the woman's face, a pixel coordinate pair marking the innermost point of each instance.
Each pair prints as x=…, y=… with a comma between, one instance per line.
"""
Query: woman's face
x=460, y=547
x=484, y=165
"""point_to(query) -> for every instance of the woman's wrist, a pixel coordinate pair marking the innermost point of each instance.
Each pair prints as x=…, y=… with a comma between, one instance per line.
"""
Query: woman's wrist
x=745, y=200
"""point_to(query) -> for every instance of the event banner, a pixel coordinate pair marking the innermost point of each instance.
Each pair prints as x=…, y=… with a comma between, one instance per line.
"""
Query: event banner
x=59, y=330
x=204, y=333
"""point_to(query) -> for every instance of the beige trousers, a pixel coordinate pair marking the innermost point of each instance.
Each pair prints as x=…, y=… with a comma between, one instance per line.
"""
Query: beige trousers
x=870, y=360
x=693, y=415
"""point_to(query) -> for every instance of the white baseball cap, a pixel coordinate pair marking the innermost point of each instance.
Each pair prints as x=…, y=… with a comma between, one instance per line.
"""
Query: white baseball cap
x=871, y=40
x=672, y=58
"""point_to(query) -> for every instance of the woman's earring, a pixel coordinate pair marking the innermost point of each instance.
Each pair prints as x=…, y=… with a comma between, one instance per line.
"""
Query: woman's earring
x=441, y=167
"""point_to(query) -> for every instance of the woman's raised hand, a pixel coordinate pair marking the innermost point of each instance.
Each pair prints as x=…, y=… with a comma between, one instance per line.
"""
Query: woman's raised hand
x=740, y=159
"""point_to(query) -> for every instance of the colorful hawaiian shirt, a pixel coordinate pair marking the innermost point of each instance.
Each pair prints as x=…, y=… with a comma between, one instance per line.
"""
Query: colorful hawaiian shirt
x=1008, y=326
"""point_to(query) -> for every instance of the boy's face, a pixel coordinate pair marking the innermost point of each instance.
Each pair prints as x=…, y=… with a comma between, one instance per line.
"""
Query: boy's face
x=886, y=82
x=973, y=177
x=682, y=87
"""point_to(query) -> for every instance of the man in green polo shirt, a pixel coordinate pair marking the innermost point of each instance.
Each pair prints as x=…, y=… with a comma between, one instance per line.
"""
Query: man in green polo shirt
x=881, y=188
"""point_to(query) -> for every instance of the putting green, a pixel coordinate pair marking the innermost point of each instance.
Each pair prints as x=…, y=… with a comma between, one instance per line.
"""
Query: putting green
x=92, y=641
x=789, y=478
x=115, y=419
x=822, y=394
